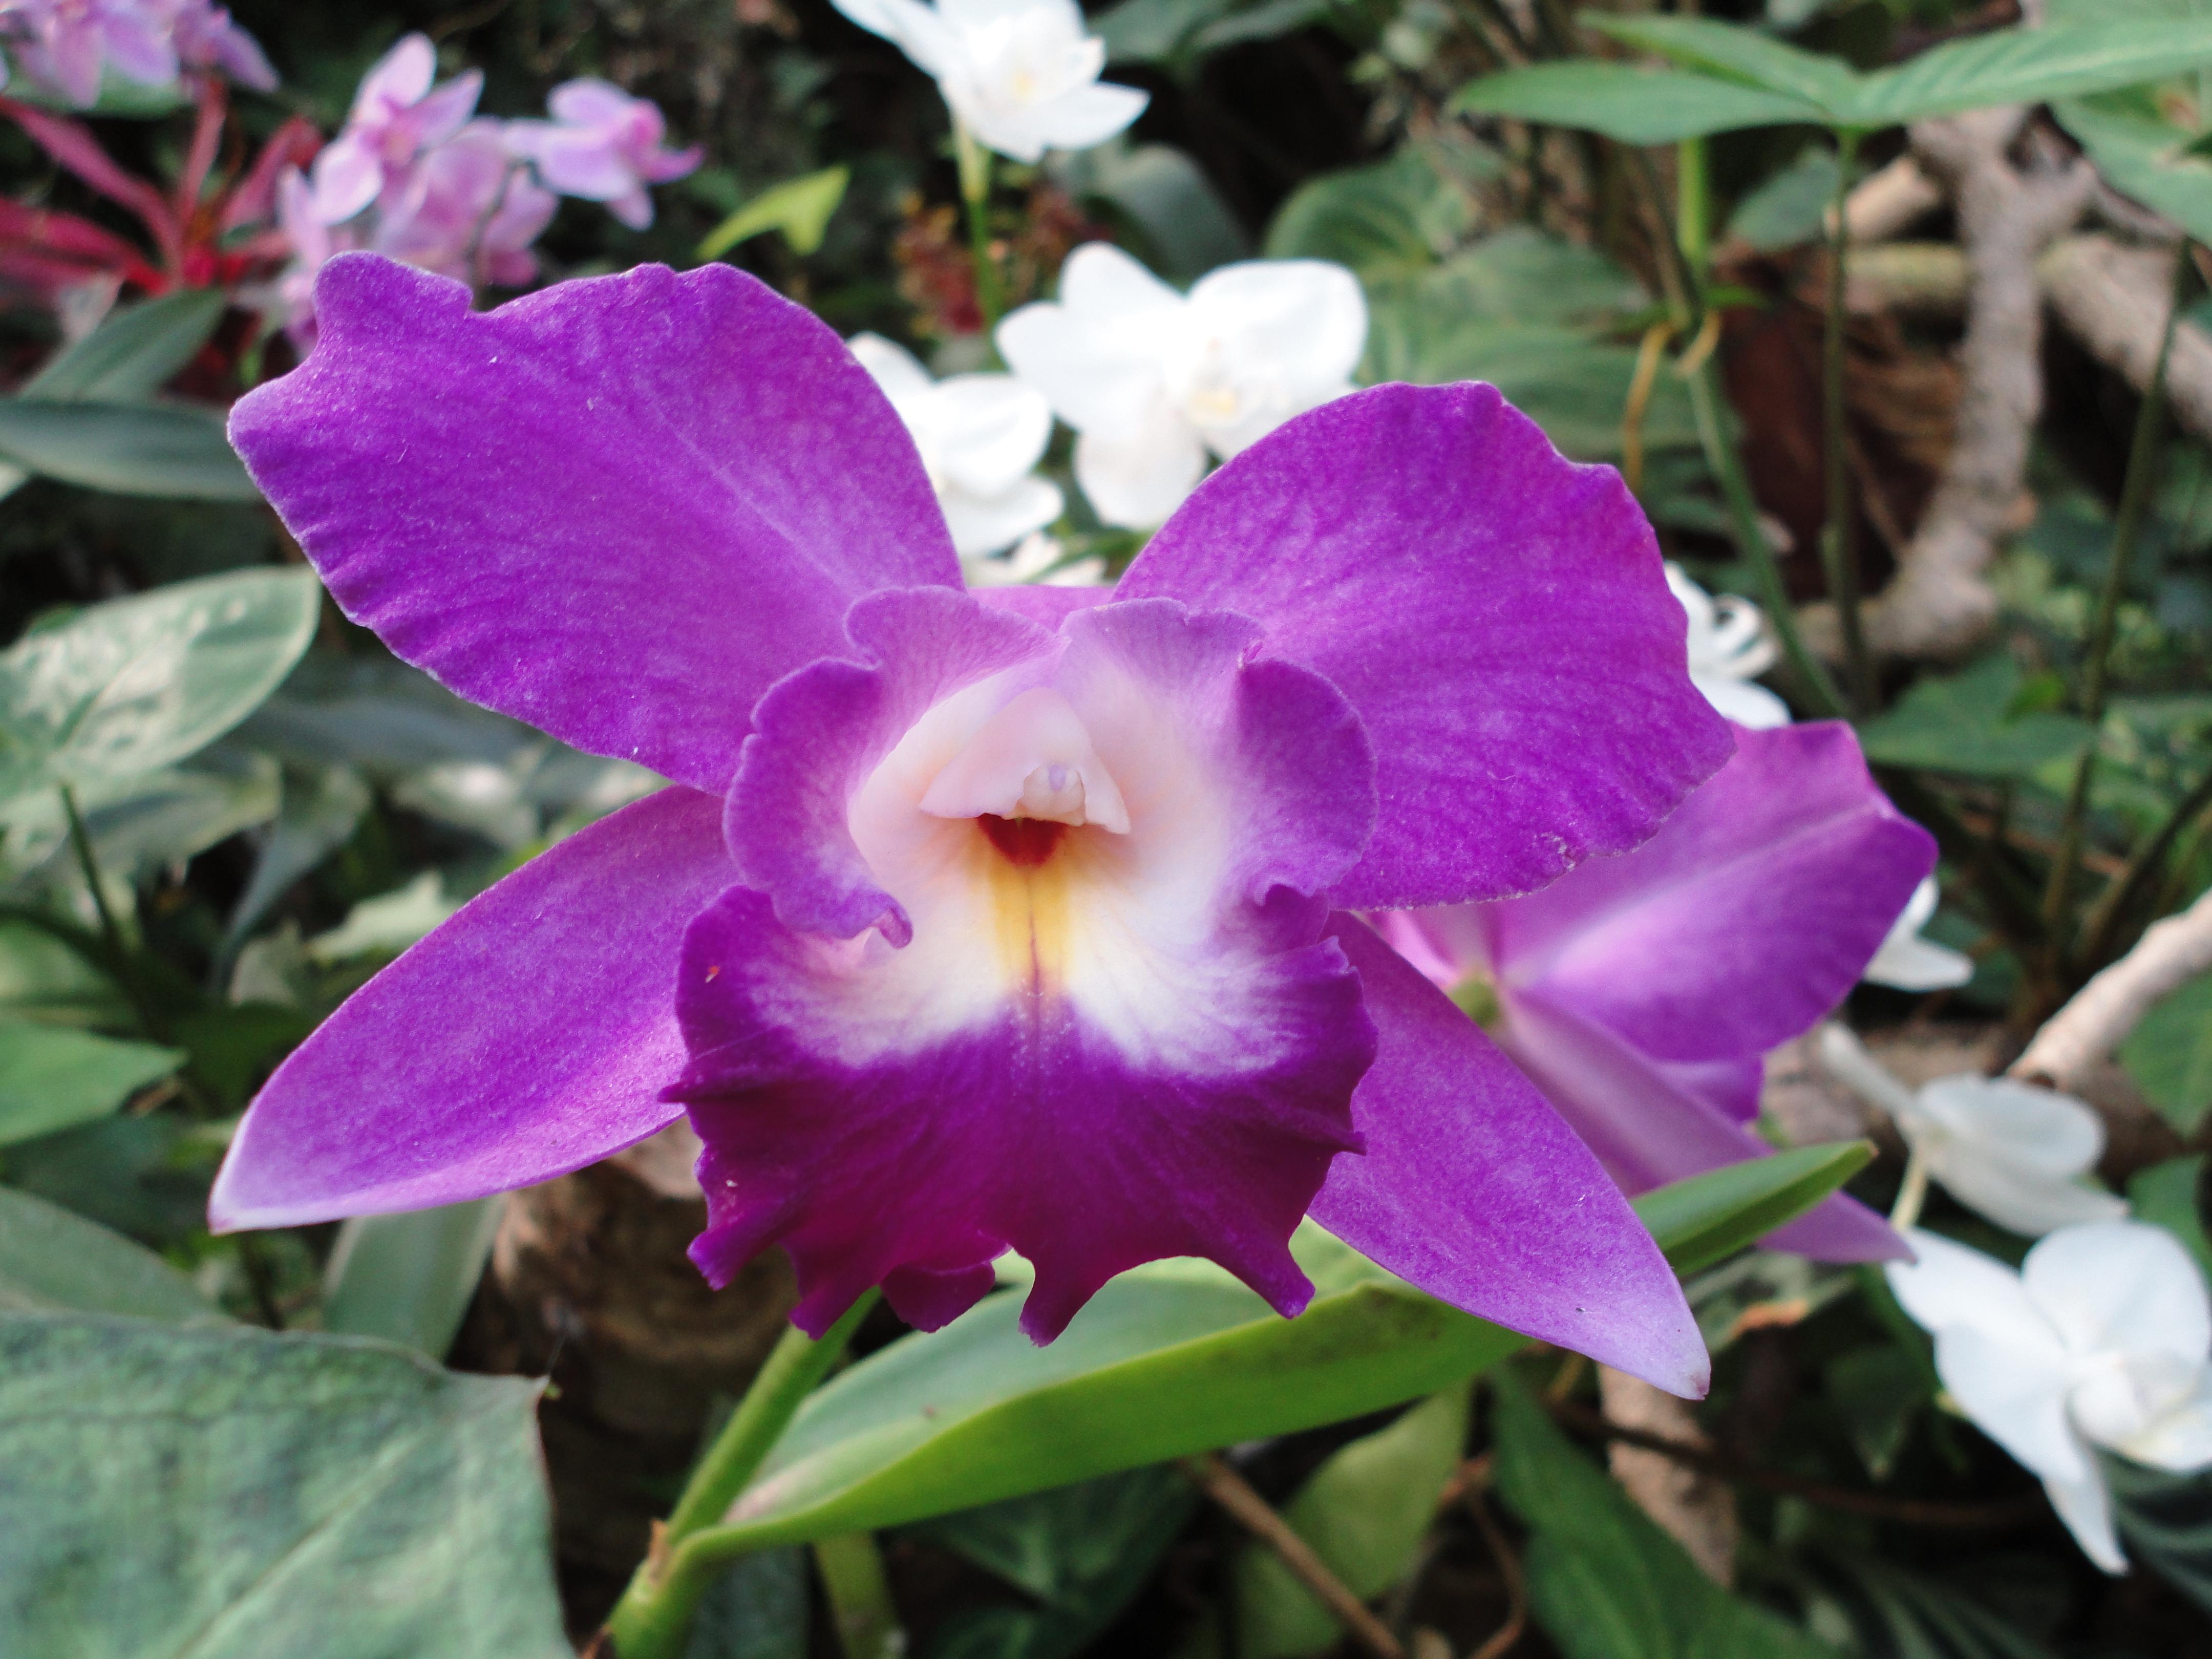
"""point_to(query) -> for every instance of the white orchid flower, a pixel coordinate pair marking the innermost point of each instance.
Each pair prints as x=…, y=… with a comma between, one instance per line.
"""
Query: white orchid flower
x=1907, y=961
x=1021, y=76
x=1150, y=379
x=1729, y=649
x=2100, y=1340
x=980, y=436
x=1037, y=559
x=2012, y=1151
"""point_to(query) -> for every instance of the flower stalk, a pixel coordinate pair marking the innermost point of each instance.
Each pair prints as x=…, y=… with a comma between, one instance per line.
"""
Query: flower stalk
x=2127, y=530
x=976, y=192
x=651, y=1621
x=1838, y=555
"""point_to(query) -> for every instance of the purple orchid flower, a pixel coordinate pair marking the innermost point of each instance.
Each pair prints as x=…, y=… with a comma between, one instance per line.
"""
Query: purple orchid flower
x=207, y=38
x=1011, y=919
x=1640, y=992
x=66, y=45
x=603, y=145
x=466, y=210
x=396, y=114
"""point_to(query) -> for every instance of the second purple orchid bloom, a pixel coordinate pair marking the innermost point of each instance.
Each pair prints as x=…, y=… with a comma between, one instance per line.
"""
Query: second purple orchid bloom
x=1019, y=919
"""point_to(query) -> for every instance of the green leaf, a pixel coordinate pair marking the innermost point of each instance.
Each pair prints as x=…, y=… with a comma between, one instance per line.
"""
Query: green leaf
x=408, y=1278
x=1364, y=1511
x=1389, y=218
x=1790, y=208
x=1734, y=53
x=1912, y=1615
x=52, y=1261
x=1604, y=1582
x=2145, y=158
x=799, y=208
x=134, y=352
x=1876, y=1392
x=1964, y=723
x=320, y=809
x=234, y=1494
x=136, y=684
x=1173, y=1358
x=144, y=822
x=757, y=1609
x=174, y=450
x=1633, y=105
x=2166, y=1521
x=1152, y=31
x=1716, y=1214
x=2164, y=1194
x=1189, y=228
x=388, y=923
x=43, y=979
x=2031, y=66
x=51, y=1078
x=2169, y=1055
x=1081, y=1551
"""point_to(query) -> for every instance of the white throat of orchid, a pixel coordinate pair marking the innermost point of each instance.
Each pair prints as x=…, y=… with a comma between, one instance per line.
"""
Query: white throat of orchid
x=1033, y=759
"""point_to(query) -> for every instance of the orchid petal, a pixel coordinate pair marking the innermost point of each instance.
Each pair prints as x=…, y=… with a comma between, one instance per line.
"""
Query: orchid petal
x=1748, y=917
x=1471, y=1189
x=1909, y=962
x=530, y=1034
x=1141, y=479
x=633, y=504
x=2015, y=1393
x=991, y=524
x=1089, y=115
x=2180, y=1439
x=2122, y=1286
x=2085, y=1504
x=1498, y=615
x=1097, y=353
x=1648, y=1130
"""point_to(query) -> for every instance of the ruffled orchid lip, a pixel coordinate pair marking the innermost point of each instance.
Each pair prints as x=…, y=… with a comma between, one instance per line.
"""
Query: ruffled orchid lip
x=1087, y=999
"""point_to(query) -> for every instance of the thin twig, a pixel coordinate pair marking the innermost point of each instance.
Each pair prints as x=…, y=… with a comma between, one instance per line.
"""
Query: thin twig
x=1213, y=1477
x=1509, y=1569
x=2109, y=914
x=1907, y=1511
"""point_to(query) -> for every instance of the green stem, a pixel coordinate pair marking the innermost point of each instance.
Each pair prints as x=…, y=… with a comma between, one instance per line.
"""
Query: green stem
x=655, y=1615
x=1814, y=686
x=1911, y=1194
x=2135, y=505
x=111, y=932
x=859, y=1597
x=1693, y=207
x=2101, y=929
x=1838, y=556
x=976, y=191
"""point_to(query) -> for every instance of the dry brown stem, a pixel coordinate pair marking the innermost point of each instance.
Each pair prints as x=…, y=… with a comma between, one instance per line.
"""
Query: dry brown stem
x=2112, y=297
x=1938, y=605
x=1887, y=202
x=1693, y=1506
x=1213, y=1477
x=2078, y=1036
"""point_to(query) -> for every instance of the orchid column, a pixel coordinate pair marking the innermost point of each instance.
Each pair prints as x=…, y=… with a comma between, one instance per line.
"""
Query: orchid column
x=1020, y=77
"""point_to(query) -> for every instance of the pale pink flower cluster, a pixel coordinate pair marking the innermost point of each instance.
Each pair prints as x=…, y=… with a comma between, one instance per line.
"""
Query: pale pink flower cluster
x=417, y=174
x=65, y=48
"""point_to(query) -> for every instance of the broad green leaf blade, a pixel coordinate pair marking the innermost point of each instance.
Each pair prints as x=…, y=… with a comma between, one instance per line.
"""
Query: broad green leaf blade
x=174, y=450
x=53, y=1261
x=1173, y=1359
x=140, y=823
x=1739, y=54
x=235, y=1494
x=2145, y=159
x=1635, y=105
x=1965, y=723
x=2030, y=66
x=1188, y=227
x=1603, y=1581
x=133, y=353
x=1390, y=218
x=53, y=1078
x=799, y=208
x=1364, y=1512
x=1700, y=1220
x=408, y=1278
x=2169, y=1055
x=135, y=683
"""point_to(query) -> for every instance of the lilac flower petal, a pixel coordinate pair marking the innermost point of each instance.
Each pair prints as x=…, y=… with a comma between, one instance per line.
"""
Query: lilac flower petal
x=1042, y=603
x=1748, y=916
x=819, y=733
x=530, y=1034
x=619, y=509
x=1473, y=1189
x=1499, y=616
x=1649, y=1131
x=1107, y=1040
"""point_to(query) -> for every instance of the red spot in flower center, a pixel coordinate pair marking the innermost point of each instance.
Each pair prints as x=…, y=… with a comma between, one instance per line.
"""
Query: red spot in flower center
x=1025, y=841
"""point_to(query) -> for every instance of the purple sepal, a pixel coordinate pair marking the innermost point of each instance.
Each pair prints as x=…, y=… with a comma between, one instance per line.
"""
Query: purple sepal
x=1473, y=1189
x=530, y=1034
x=620, y=508
x=1499, y=616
